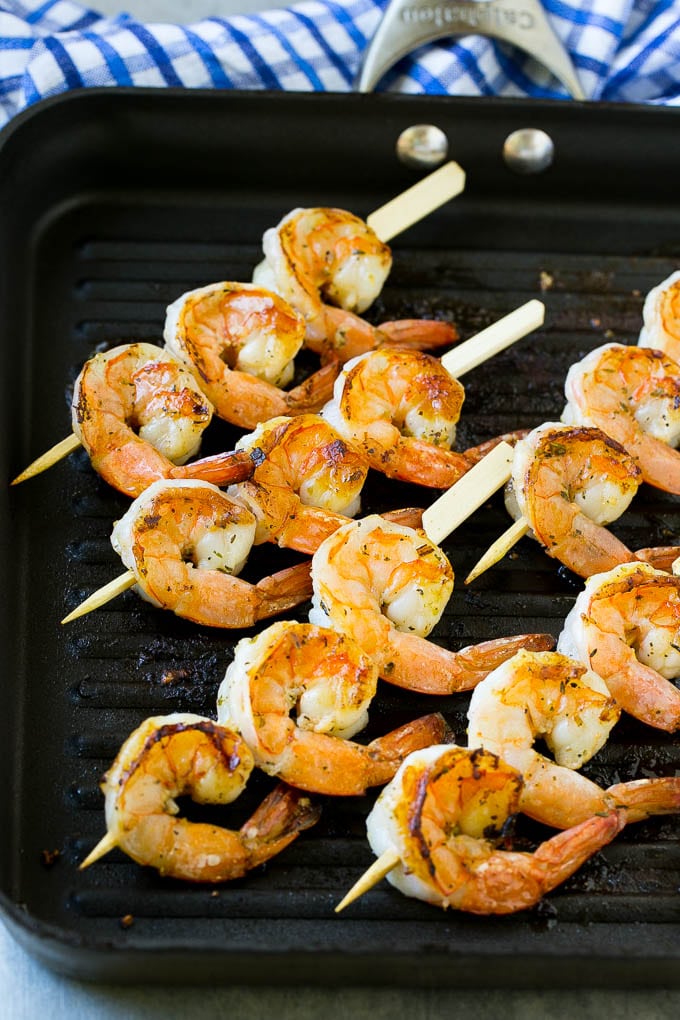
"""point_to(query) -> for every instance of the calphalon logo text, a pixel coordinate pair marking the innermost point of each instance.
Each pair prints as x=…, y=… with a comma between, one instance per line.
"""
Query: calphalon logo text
x=481, y=16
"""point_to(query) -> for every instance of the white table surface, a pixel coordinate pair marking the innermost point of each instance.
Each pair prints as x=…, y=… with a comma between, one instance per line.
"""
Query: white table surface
x=28, y=991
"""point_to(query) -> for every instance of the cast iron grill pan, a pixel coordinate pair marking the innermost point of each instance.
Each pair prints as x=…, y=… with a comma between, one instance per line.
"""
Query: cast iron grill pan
x=125, y=202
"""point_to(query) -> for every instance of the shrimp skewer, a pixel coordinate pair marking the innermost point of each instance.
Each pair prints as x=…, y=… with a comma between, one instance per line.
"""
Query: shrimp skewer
x=439, y=826
x=386, y=586
x=272, y=355
x=401, y=407
x=661, y=317
x=240, y=341
x=551, y=696
x=567, y=483
x=546, y=695
x=168, y=756
x=625, y=625
x=329, y=682
x=322, y=255
x=184, y=542
x=330, y=266
x=633, y=395
x=282, y=515
x=140, y=416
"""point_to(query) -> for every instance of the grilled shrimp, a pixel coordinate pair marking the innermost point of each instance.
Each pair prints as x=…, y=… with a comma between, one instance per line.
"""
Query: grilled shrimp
x=331, y=266
x=329, y=682
x=306, y=483
x=400, y=409
x=140, y=415
x=549, y=696
x=184, y=541
x=240, y=342
x=633, y=395
x=169, y=756
x=625, y=625
x=446, y=814
x=661, y=317
x=567, y=482
x=386, y=586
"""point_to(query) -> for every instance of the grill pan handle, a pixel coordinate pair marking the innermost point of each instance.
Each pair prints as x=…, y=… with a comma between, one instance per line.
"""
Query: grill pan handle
x=408, y=24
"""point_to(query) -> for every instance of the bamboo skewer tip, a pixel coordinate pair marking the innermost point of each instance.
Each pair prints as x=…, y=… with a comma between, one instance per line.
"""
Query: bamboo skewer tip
x=378, y=870
x=48, y=459
x=106, y=844
x=499, y=549
x=103, y=595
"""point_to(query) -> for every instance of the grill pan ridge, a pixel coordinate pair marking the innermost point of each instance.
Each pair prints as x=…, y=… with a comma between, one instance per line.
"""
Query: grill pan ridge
x=114, y=202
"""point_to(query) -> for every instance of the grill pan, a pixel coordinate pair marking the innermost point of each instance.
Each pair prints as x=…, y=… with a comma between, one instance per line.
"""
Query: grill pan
x=112, y=203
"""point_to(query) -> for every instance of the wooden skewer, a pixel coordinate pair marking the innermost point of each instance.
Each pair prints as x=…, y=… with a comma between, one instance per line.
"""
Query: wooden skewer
x=486, y=477
x=382, y=866
x=500, y=548
x=469, y=492
x=461, y=359
x=494, y=338
x=48, y=459
x=103, y=595
x=417, y=202
x=105, y=845
x=389, y=220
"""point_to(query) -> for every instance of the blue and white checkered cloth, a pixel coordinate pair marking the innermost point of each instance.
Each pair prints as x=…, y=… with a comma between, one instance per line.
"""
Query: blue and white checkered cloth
x=625, y=50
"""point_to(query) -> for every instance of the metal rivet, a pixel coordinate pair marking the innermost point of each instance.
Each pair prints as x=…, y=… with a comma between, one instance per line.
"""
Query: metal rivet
x=528, y=151
x=422, y=146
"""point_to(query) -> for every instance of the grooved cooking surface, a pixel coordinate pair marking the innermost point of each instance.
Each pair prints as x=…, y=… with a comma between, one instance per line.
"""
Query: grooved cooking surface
x=104, y=269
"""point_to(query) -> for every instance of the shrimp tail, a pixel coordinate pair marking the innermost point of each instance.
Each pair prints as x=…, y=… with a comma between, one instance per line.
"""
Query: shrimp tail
x=441, y=671
x=377, y=762
x=510, y=882
x=659, y=462
x=308, y=526
x=282, y=591
x=220, y=469
x=646, y=695
x=476, y=661
x=409, y=517
x=313, y=392
x=559, y=857
x=661, y=557
x=643, y=798
x=587, y=548
x=412, y=736
x=418, y=334
x=349, y=769
x=476, y=453
x=420, y=462
x=346, y=335
x=280, y=818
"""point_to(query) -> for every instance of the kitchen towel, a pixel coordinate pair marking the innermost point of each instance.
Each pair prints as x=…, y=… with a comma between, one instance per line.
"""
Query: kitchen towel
x=623, y=50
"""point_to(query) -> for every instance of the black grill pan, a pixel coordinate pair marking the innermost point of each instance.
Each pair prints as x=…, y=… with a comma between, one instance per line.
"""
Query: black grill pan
x=112, y=203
